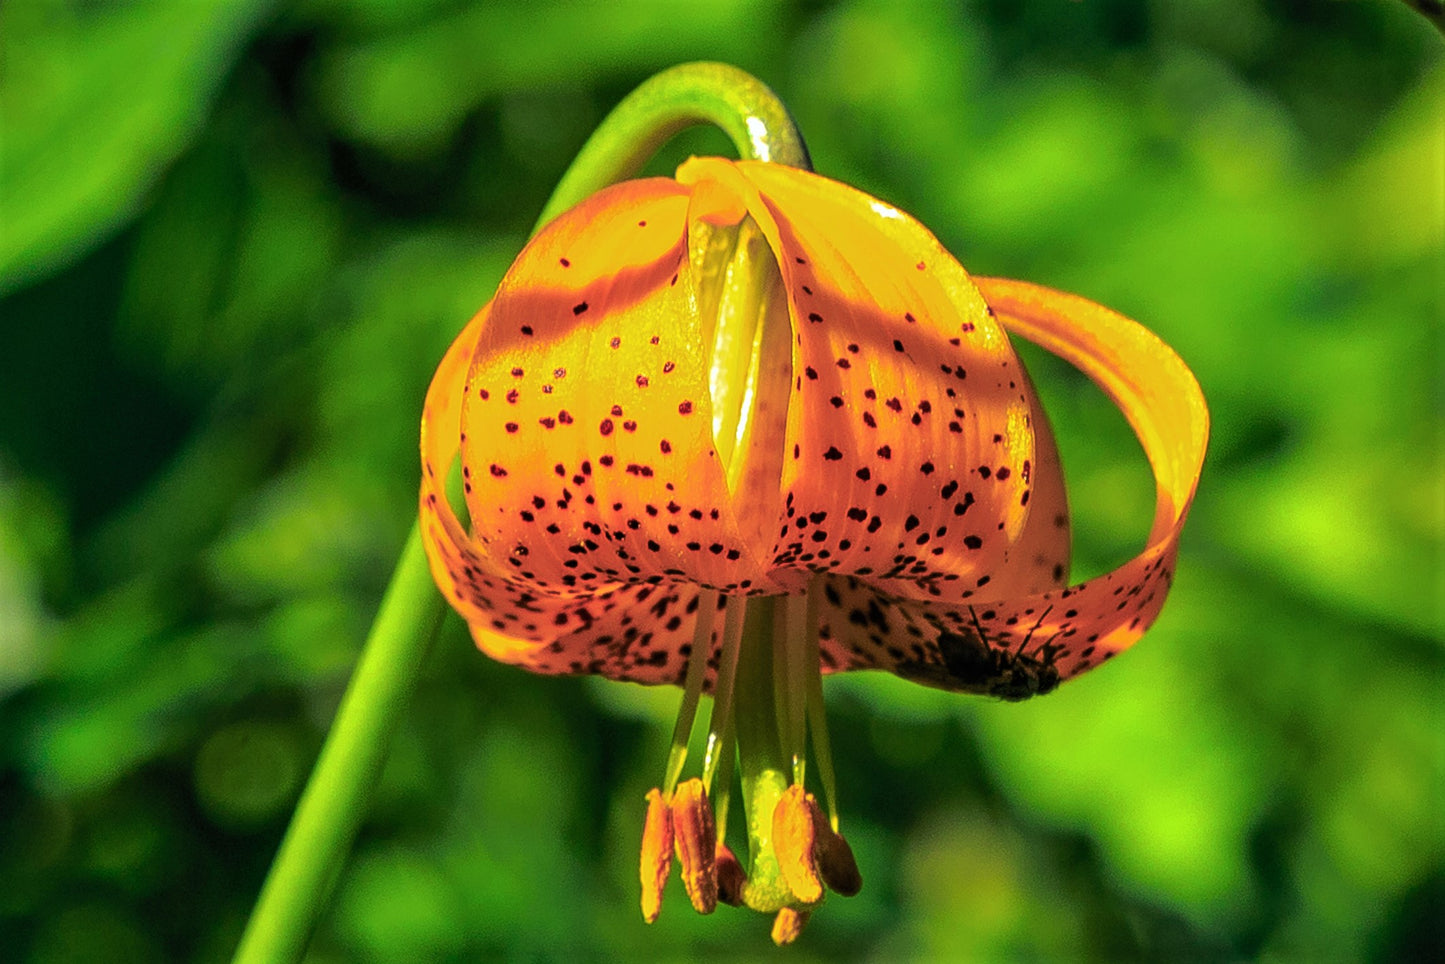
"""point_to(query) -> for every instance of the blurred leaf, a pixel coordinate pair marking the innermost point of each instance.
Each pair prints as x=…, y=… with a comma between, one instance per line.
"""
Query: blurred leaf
x=1145, y=758
x=233, y=256
x=976, y=892
x=408, y=92
x=397, y=906
x=91, y=932
x=72, y=165
x=250, y=772
x=31, y=536
x=1392, y=199
x=393, y=312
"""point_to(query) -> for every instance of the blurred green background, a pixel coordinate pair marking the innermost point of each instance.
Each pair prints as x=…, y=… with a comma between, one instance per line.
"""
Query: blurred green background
x=235, y=237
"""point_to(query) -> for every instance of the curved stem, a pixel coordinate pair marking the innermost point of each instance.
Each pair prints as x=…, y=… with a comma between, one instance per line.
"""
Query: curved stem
x=680, y=97
x=329, y=813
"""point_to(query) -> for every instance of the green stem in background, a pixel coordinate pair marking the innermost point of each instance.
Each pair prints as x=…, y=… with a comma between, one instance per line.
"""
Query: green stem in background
x=329, y=813
x=330, y=810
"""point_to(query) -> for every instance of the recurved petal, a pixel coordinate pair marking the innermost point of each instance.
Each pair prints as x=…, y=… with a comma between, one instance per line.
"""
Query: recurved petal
x=1039, y=558
x=639, y=632
x=1162, y=401
x=455, y=566
x=1150, y=383
x=937, y=644
x=1017, y=646
x=587, y=417
x=909, y=442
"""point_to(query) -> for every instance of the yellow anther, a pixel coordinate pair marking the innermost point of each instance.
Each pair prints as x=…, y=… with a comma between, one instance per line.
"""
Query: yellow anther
x=656, y=854
x=789, y=924
x=795, y=843
x=809, y=852
x=695, y=841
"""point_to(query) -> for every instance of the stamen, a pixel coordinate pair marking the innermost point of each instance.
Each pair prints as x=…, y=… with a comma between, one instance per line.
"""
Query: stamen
x=691, y=690
x=724, y=776
x=656, y=854
x=817, y=715
x=731, y=878
x=836, y=863
x=717, y=763
x=719, y=749
x=788, y=925
x=810, y=853
x=795, y=842
x=695, y=841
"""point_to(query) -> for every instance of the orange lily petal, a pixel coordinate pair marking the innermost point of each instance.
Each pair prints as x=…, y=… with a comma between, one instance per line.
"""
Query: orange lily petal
x=1017, y=646
x=1163, y=403
x=949, y=538
x=640, y=632
x=1039, y=558
x=587, y=416
x=910, y=439
x=453, y=563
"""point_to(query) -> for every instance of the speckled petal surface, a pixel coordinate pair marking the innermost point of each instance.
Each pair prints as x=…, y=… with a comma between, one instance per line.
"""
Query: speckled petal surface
x=909, y=448
x=587, y=418
x=640, y=632
x=1019, y=645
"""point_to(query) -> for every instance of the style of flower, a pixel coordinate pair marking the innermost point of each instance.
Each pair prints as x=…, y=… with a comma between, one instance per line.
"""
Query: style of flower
x=750, y=426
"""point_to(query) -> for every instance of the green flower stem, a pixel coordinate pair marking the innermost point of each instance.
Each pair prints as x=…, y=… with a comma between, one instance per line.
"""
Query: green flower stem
x=331, y=808
x=749, y=113
x=329, y=813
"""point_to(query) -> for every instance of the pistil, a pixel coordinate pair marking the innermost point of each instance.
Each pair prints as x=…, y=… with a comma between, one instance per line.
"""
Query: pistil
x=765, y=770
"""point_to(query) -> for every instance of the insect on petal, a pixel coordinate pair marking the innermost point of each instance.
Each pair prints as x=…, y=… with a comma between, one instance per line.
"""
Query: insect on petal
x=1163, y=403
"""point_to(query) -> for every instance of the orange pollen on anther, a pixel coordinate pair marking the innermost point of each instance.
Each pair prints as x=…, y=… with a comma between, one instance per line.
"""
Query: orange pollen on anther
x=810, y=853
x=695, y=841
x=795, y=843
x=656, y=854
x=789, y=924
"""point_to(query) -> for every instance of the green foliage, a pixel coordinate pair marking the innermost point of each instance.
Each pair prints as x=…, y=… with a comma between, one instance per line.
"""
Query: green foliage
x=236, y=237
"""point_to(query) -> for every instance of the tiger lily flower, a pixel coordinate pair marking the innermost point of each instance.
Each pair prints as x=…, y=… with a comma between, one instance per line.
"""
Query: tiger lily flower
x=745, y=427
